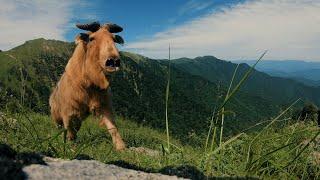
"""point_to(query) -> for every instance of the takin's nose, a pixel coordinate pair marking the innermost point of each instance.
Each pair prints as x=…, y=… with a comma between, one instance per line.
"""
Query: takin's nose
x=112, y=62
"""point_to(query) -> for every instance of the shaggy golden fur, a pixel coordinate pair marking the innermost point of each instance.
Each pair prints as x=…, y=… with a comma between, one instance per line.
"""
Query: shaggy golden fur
x=84, y=86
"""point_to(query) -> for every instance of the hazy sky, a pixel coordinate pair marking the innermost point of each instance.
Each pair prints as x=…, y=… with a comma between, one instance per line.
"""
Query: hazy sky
x=227, y=29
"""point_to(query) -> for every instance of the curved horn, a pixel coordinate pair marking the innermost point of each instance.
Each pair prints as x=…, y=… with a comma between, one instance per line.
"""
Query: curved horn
x=93, y=27
x=118, y=39
x=113, y=28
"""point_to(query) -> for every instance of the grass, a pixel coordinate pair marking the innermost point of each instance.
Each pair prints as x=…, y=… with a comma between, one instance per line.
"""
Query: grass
x=276, y=153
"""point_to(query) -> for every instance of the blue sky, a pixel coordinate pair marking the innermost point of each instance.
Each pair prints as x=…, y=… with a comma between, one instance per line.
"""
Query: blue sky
x=228, y=29
x=141, y=18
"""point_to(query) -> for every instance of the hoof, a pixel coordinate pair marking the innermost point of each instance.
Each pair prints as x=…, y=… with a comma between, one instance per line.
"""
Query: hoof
x=120, y=146
x=71, y=137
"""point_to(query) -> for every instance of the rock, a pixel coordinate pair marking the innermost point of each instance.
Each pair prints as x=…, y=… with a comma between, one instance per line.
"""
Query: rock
x=14, y=165
x=85, y=169
x=315, y=157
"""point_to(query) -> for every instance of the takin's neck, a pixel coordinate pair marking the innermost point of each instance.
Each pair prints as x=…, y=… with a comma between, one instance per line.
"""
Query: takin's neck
x=75, y=66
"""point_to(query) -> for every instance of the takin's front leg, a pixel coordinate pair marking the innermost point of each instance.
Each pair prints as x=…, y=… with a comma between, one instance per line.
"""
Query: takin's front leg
x=108, y=121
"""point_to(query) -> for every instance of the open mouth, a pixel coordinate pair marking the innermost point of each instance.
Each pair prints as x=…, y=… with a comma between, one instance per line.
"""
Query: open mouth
x=113, y=65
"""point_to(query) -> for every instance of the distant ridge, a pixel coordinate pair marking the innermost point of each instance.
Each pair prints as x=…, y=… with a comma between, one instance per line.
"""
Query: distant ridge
x=302, y=71
x=277, y=89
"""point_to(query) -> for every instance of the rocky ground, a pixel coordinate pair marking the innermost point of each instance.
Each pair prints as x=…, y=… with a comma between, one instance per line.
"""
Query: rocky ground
x=34, y=166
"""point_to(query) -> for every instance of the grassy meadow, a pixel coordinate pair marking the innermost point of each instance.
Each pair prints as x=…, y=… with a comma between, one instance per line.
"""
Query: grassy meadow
x=289, y=152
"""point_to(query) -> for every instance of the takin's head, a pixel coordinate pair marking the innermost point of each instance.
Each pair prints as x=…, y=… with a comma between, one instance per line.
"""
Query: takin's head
x=101, y=51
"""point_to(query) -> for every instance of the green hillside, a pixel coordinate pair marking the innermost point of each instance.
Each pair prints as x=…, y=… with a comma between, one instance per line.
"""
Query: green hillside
x=281, y=149
x=28, y=73
x=278, y=90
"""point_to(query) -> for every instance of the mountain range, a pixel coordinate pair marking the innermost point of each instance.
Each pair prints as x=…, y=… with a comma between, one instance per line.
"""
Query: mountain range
x=29, y=71
x=302, y=71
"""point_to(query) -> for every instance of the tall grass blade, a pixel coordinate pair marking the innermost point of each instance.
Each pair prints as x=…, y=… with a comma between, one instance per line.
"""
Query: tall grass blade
x=210, y=129
x=227, y=95
x=244, y=78
x=64, y=143
x=271, y=152
x=167, y=98
x=212, y=123
x=226, y=143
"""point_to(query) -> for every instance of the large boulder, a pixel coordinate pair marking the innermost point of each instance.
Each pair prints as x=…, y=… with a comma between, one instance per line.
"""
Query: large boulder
x=85, y=169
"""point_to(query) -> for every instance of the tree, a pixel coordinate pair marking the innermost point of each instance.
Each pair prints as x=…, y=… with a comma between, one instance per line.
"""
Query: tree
x=309, y=112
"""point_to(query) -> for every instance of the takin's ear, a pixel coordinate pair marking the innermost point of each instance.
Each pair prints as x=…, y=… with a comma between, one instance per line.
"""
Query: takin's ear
x=118, y=39
x=82, y=37
x=113, y=28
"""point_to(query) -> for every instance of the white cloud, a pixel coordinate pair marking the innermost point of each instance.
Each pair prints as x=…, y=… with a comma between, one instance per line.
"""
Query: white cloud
x=193, y=6
x=24, y=20
x=289, y=29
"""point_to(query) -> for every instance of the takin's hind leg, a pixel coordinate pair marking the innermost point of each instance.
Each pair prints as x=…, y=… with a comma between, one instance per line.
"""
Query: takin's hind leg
x=56, y=119
x=72, y=126
x=58, y=122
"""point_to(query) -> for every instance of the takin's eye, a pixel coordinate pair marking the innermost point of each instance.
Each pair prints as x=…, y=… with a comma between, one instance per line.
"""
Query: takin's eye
x=91, y=39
